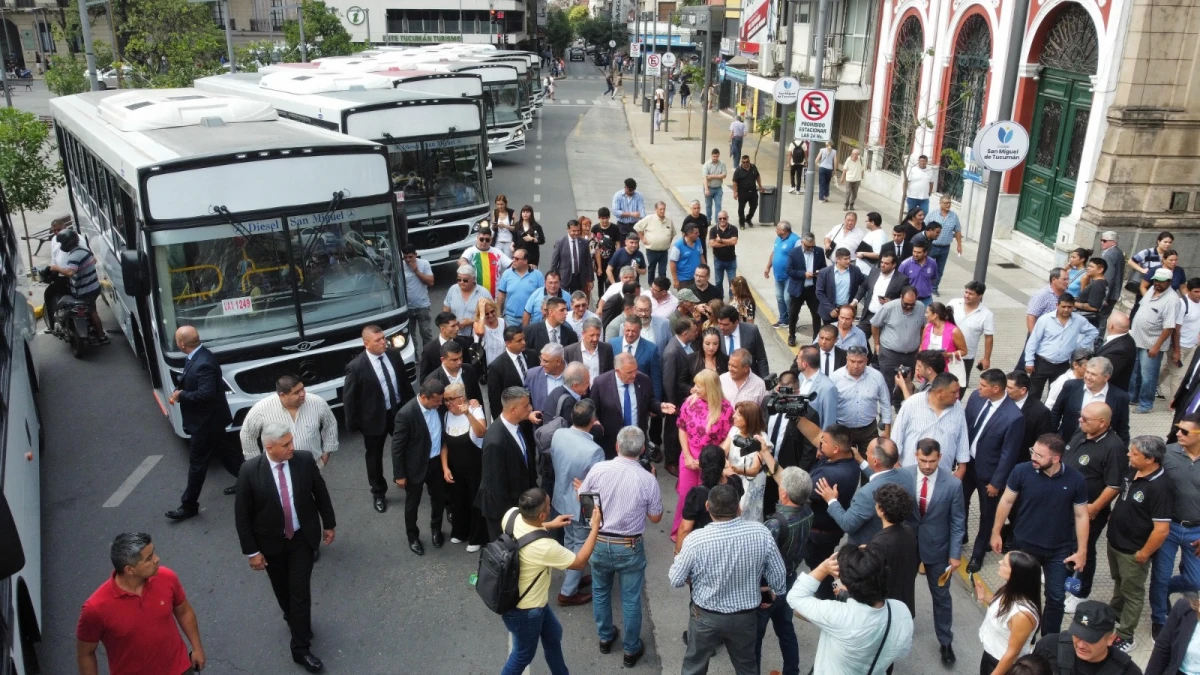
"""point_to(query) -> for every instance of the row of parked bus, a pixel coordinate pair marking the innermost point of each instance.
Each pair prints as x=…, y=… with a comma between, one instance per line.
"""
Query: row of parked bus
x=268, y=210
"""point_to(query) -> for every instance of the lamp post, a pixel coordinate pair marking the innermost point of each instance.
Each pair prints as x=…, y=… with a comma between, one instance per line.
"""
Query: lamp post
x=300, y=20
x=790, y=10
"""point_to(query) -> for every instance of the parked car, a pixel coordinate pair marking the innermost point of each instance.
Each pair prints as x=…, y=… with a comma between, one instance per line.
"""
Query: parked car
x=107, y=78
x=577, y=54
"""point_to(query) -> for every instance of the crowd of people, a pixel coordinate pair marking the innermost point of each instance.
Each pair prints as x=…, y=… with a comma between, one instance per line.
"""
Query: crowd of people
x=821, y=488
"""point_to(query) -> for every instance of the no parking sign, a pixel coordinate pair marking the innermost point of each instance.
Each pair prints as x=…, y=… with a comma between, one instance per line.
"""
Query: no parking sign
x=654, y=64
x=814, y=115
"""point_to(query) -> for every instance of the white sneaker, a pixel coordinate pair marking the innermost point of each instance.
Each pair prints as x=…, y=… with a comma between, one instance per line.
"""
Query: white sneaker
x=455, y=540
x=1126, y=646
x=472, y=548
x=1070, y=603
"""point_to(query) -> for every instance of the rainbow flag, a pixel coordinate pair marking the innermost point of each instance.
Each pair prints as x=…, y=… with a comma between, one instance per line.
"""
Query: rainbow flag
x=487, y=271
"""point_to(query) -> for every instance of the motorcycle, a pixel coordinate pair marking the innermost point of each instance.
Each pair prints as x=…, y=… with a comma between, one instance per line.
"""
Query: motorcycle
x=71, y=319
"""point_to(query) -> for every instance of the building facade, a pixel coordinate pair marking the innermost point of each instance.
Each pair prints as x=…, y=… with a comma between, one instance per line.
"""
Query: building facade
x=422, y=22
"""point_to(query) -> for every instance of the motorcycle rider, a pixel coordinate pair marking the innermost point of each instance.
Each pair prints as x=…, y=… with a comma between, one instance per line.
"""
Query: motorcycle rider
x=57, y=284
x=85, y=283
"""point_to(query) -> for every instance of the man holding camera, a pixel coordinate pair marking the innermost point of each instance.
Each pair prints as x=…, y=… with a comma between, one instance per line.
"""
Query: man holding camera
x=813, y=381
x=628, y=494
x=929, y=364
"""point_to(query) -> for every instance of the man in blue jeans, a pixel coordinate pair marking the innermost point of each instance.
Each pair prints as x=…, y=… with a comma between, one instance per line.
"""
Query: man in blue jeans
x=1152, y=330
x=1051, y=520
x=722, y=239
x=789, y=527
x=714, y=174
x=532, y=620
x=785, y=241
x=1180, y=465
x=630, y=496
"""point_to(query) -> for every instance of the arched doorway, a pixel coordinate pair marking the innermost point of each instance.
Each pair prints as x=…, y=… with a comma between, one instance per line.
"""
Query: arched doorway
x=902, y=99
x=1060, y=119
x=968, y=84
x=10, y=45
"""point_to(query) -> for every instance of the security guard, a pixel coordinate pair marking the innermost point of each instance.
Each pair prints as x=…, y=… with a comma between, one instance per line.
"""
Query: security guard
x=1085, y=648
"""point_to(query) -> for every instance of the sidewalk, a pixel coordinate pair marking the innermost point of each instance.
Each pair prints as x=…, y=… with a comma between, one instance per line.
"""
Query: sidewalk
x=676, y=163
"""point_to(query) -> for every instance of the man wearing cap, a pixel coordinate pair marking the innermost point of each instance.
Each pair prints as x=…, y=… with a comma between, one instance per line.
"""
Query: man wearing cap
x=1152, y=328
x=687, y=304
x=1086, y=646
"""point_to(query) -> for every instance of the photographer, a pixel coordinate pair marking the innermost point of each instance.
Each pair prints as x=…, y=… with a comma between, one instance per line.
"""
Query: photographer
x=813, y=381
x=742, y=448
x=791, y=448
x=629, y=496
x=930, y=363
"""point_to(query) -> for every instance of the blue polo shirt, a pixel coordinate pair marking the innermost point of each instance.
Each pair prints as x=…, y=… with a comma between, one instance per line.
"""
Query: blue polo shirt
x=517, y=290
x=844, y=473
x=534, y=304
x=686, y=259
x=780, y=256
x=1045, y=505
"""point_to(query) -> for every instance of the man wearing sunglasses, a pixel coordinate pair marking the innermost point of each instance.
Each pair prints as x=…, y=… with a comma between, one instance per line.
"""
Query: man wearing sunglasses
x=489, y=263
x=1180, y=464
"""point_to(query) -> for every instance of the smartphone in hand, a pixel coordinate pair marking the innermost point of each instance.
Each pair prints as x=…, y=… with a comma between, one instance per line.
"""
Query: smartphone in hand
x=587, y=504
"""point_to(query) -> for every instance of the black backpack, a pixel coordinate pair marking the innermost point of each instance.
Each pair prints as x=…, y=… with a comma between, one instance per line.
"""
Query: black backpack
x=498, y=581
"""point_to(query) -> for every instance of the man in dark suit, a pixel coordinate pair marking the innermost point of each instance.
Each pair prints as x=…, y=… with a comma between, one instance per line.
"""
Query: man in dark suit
x=828, y=299
x=996, y=429
x=1096, y=385
x=737, y=334
x=416, y=441
x=509, y=464
x=624, y=398
x=553, y=328
x=591, y=350
x=866, y=296
x=201, y=401
x=540, y=380
x=899, y=246
x=577, y=384
x=1036, y=414
x=508, y=369
x=453, y=371
x=832, y=356
x=677, y=385
x=643, y=351
x=1118, y=347
x=431, y=354
x=1187, y=397
x=283, y=513
x=940, y=520
x=804, y=263
x=859, y=520
x=572, y=260
x=375, y=388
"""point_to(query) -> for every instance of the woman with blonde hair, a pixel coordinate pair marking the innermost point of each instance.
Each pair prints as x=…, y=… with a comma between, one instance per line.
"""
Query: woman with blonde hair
x=740, y=297
x=704, y=419
x=489, y=329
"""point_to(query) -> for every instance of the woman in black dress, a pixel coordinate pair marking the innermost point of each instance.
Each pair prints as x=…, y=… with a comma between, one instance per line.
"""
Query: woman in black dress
x=463, y=428
x=528, y=236
x=712, y=473
x=897, y=543
x=709, y=356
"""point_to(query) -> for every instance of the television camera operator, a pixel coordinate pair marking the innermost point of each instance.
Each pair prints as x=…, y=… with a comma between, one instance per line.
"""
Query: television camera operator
x=783, y=408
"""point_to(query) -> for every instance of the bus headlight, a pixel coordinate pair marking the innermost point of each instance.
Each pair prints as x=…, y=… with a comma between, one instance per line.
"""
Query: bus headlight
x=481, y=223
x=399, y=340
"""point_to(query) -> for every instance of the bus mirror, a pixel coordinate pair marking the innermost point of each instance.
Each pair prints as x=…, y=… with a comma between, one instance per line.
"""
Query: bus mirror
x=135, y=273
x=12, y=556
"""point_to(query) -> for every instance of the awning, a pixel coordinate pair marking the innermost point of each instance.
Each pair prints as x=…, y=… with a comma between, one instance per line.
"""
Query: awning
x=740, y=62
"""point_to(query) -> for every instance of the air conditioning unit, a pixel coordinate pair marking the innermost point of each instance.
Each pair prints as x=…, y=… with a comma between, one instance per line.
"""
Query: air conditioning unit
x=779, y=50
x=833, y=54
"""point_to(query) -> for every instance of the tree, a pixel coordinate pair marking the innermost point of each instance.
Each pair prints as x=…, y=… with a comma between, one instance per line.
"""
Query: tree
x=324, y=33
x=577, y=17
x=171, y=42
x=764, y=126
x=558, y=31
x=68, y=76
x=601, y=31
x=28, y=170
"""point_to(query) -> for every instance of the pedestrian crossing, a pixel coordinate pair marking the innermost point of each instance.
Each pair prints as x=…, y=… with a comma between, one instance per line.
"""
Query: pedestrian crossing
x=601, y=100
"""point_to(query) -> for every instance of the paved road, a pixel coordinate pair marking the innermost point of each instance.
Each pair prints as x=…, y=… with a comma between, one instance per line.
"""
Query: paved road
x=377, y=608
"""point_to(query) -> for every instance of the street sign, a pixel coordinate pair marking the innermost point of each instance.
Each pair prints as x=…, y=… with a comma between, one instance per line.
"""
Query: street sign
x=612, y=43
x=668, y=60
x=786, y=91
x=635, y=49
x=355, y=15
x=814, y=114
x=1001, y=146
x=654, y=64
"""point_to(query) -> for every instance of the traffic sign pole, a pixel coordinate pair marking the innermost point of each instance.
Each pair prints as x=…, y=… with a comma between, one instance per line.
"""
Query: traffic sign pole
x=668, y=61
x=790, y=10
x=818, y=80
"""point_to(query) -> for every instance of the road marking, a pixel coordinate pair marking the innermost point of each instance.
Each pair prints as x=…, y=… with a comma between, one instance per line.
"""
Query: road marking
x=537, y=198
x=538, y=147
x=580, y=101
x=537, y=156
x=576, y=105
x=132, y=482
x=537, y=181
x=537, y=167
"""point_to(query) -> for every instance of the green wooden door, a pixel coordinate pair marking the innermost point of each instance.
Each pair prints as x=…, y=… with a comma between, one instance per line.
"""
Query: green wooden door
x=1060, y=120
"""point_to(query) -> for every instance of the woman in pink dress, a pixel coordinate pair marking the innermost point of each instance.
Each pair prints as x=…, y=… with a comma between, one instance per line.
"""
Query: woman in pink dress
x=941, y=333
x=704, y=419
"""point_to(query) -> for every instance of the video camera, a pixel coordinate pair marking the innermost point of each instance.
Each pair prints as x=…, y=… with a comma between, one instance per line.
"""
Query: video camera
x=785, y=399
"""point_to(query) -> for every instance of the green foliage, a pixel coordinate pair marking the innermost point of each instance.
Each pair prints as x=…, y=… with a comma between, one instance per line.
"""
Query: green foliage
x=765, y=126
x=66, y=25
x=68, y=76
x=104, y=54
x=558, y=31
x=28, y=172
x=693, y=75
x=577, y=17
x=181, y=32
x=601, y=31
x=323, y=32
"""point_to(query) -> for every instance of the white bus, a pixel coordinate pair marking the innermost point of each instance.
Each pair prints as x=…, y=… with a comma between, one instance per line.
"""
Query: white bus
x=21, y=445
x=437, y=147
x=532, y=61
x=275, y=239
x=426, y=60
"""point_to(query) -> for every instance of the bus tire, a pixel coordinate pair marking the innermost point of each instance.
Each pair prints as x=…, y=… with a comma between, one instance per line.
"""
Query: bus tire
x=27, y=629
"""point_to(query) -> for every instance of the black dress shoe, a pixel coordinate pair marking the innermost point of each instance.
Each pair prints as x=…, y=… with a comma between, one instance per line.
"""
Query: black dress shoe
x=791, y=340
x=316, y=554
x=948, y=657
x=311, y=663
x=231, y=490
x=380, y=504
x=607, y=645
x=438, y=539
x=974, y=565
x=632, y=659
x=416, y=547
x=182, y=513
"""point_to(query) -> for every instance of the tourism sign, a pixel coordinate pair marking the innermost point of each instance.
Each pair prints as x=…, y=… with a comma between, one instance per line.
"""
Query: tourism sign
x=356, y=15
x=814, y=114
x=786, y=91
x=654, y=64
x=668, y=60
x=1001, y=146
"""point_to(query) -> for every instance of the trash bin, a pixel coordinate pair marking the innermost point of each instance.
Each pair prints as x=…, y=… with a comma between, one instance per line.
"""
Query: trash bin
x=645, y=104
x=768, y=205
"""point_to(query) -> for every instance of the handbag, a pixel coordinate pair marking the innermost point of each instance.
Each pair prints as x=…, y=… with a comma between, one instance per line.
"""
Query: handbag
x=957, y=368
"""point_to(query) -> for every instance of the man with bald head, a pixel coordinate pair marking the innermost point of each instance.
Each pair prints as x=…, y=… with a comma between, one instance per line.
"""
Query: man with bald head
x=1095, y=386
x=205, y=413
x=1097, y=452
x=740, y=383
x=1119, y=348
x=543, y=379
x=576, y=385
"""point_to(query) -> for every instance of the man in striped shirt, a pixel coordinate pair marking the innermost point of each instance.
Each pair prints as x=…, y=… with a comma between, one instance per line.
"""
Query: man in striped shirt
x=314, y=428
x=80, y=270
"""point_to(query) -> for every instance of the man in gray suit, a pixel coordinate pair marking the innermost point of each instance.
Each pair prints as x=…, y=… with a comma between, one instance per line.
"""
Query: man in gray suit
x=860, y=521
x=547, y=377
x=574, y=453
x=654, y=328
x=940, y=520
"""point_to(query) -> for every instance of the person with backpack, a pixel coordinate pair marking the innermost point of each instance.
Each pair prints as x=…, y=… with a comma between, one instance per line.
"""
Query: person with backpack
x=1087, y=645
x=526, y=604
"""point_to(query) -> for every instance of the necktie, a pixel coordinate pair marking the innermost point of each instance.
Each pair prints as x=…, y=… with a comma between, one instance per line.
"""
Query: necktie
x=524, y=449
x=924, y=501
x=285, y=499
x=393, y=400
x=627, y=408
x=827, y=359
x=629, y=348
x=554, y=335
x=981, y=419
x=729, y=352
x=521, y=365
x=775, y=431
x=687, y=349
x=574, y=256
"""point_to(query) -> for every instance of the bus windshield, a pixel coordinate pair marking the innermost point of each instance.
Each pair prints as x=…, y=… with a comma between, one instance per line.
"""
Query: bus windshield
x=439, y=175
x=240, y=282
x=503, y=103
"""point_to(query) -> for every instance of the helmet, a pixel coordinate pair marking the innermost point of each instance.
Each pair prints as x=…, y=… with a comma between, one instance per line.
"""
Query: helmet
x=68, y=239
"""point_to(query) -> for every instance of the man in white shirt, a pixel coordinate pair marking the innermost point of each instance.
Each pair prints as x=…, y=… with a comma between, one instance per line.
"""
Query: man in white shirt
x=314, y=428
x=920, y=185
x=740, y=383
x=663, y=302
x=975, y=320
x=1187, y=323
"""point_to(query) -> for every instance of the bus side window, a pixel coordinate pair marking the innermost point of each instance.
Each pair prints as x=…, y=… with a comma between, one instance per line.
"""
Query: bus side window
x=124, y=227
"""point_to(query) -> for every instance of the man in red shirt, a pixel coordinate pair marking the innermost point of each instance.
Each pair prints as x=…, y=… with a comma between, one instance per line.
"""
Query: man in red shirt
x=135, y=614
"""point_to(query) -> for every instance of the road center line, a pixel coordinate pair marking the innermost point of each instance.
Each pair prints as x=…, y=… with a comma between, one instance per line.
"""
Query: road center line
x=132, y=482
x=537, y=156
x=537, y=167
x=537, y=198
x=537, y=181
